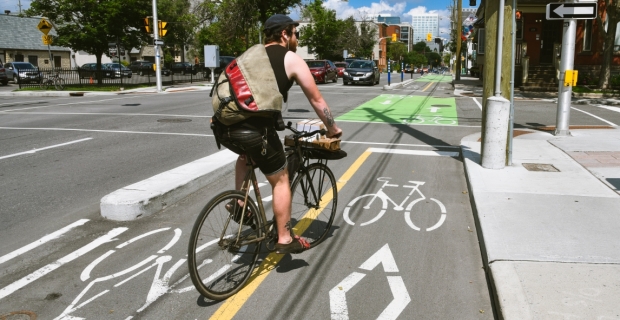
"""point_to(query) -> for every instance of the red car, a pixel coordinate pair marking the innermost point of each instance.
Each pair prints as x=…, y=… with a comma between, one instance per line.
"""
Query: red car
x=340, y=66
x=323, y=70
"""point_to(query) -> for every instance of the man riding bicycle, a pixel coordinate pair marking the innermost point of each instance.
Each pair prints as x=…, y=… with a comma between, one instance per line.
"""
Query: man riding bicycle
x=256, y=137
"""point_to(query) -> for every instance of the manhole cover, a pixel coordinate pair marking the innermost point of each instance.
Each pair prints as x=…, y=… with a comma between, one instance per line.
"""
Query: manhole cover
x=19, y=315
x=174, y=120
x=76, y=94
x=540, y=167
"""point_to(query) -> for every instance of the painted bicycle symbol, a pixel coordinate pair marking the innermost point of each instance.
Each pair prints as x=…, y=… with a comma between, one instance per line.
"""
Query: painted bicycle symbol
x=429, y=120
x=415, y=187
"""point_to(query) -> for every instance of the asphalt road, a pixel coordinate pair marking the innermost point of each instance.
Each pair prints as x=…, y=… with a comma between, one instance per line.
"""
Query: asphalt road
x=60, y=156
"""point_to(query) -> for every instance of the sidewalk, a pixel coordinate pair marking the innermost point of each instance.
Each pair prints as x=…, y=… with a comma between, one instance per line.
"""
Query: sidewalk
x=196, y=86
x=550, y=237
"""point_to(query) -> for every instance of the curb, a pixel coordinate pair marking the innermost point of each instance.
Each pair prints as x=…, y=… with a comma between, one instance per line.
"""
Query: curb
x=397, y=85
x=151, y=195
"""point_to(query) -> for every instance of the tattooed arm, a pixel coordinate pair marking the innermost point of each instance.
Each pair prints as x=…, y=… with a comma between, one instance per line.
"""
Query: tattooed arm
x=297, y=69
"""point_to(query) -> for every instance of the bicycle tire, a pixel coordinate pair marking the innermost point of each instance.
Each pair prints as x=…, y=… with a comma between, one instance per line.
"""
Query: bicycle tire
x=45, y=84
x=312, y=218
x=59, y=84
x=217, y=266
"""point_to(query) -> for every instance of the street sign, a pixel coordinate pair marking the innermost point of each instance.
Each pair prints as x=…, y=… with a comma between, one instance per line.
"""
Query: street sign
x=47, y=40
x=564, y=10
x=159, y=42
x=44, y=26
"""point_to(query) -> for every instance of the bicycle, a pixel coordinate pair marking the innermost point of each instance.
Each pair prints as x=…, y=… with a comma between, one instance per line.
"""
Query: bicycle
x=55, y=80
x=225, y=241
x=397, y=207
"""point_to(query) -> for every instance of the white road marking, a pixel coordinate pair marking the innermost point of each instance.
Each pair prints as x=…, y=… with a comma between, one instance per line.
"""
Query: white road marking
x=109, y=237
x=49, y=237
x=107, y=114
x=416, y=152
x=478, y=103
x=401, y=144
x=597, y=117
x=111, y=131
x=434, y=109
x=616, y=109
x=383, y=256
x=401, y=299
x=72, y=103
x=409, y=124
x=41, y=149
x=338, y=297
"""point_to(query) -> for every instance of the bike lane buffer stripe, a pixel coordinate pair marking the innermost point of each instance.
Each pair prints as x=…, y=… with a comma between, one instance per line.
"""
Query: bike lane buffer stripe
x=233, y=304
x=428, y=86
x=109, y=237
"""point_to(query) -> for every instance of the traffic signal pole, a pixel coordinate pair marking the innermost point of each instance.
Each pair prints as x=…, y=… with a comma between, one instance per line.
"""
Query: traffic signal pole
x=156, y=45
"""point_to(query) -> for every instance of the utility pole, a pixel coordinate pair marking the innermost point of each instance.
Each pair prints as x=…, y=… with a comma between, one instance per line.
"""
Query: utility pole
x=459, y=31
x=156, y=37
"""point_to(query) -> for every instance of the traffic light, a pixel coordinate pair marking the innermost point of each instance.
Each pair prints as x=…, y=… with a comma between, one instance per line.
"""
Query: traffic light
x=429, y=37
x=394, y=37
x=147, y=25
x=161, y=27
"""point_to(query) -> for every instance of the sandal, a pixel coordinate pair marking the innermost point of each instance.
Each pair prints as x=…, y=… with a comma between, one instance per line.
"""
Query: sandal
x=297, y=245
x=236, y=215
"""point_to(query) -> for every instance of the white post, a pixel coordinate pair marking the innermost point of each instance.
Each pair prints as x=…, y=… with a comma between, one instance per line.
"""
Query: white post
x=565, y=92
x=156, y=37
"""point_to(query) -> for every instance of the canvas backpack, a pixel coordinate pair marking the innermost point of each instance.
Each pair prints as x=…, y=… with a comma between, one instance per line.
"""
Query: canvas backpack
x=246, y=88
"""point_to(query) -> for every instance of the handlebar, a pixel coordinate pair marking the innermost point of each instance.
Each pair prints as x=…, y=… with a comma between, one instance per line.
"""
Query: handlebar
x=302, y=134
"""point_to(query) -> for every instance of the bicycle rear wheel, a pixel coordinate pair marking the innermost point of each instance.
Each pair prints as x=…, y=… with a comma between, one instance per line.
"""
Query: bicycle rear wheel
x=59, y=83
x=315, y=198
x=222, y=253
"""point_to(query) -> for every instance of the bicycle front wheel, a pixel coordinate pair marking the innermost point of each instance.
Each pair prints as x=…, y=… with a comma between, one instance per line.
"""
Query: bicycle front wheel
x=45, y=84
x=222, y=252
x=315, y=198
x=59, y=84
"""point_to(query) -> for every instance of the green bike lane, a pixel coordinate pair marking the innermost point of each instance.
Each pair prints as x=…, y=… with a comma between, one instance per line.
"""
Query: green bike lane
x=408, y=108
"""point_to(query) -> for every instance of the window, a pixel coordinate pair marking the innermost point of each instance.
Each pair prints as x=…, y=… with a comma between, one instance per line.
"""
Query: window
x=587, y=35
x=19, y=57
x=481, y=41
x=34, y=60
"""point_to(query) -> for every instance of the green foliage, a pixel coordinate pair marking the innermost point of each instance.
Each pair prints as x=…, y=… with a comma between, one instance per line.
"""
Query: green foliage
x=322, y=35
x=615, y=80
x=415, y=59
x=396, y=50
x=89, y=25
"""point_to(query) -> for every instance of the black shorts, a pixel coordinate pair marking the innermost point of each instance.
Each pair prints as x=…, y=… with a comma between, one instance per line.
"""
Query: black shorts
x=248, y=140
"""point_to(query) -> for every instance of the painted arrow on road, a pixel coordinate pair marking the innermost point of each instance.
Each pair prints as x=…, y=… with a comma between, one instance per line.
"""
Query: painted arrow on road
x=337, y=295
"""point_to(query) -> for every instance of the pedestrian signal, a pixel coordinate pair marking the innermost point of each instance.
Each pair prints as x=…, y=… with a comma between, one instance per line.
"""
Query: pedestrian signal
x=161, y=28
x=393, y=37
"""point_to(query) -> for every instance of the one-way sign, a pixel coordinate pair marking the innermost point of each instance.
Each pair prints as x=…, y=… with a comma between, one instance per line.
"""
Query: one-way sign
x=558, y=11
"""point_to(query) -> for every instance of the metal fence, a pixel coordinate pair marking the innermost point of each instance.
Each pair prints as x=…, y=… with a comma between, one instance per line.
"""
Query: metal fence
x=85, y=79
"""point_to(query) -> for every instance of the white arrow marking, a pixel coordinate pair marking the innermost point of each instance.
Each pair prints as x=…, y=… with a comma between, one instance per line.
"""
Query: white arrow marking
x=338, y=297
x=386, y=102
x=434, y=109
x=384, y=256
x=401, y=299
x=562, y=10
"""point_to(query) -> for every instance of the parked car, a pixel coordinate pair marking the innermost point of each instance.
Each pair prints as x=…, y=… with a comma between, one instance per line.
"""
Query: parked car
x=25, y=72
x=408, y=69
x=361, y=71
x=118, y=70
x=183, y=68
x=323, y=70
x=340, y=66
x=146, y=68
x=4, y=79
x=89, y=70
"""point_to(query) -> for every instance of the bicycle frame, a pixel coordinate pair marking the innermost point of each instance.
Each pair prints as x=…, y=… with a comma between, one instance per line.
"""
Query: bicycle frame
x=383, y=195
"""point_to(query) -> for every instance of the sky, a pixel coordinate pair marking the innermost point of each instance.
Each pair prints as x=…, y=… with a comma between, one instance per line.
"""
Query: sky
x=344, y=9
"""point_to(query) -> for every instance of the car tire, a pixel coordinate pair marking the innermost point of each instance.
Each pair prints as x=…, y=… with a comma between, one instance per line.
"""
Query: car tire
x=141, y=73
x=336, y=79
x=4, y=83
x=15, y=79
x=182, y=72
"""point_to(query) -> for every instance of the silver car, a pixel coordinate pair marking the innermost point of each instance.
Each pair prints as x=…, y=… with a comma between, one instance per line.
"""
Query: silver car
x=24, y=72
x=118, y=69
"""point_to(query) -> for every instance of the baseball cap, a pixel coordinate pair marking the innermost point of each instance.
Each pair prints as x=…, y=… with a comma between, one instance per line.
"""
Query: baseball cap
x=278, y=22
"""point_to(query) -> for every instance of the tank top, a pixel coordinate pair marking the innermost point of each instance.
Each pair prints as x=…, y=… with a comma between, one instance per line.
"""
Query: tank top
x=276, y=55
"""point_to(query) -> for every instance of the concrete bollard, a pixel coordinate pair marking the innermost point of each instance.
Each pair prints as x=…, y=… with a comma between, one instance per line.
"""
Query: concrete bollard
x=496, y=133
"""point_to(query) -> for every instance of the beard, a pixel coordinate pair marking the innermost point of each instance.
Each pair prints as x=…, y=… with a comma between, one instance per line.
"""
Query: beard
x=291, y=45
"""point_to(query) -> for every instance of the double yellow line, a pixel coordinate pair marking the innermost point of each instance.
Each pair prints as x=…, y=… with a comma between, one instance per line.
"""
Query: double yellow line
x=231, y=306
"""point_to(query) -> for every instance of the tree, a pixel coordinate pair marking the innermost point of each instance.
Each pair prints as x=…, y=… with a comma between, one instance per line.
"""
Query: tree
x=180, y=27
x=612, y=17
x=90, y=25
x=322, y=34
x=367, y=39
x=396, y=50
x=415, y=59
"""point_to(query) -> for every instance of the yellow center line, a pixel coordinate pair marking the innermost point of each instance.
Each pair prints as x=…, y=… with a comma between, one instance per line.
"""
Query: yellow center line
x=232, y=305
x=429, y=84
